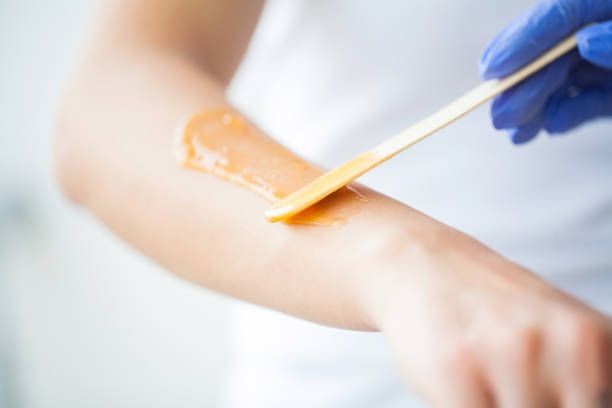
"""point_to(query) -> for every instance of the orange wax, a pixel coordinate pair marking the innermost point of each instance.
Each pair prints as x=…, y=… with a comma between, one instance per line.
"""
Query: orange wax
x=223, y=143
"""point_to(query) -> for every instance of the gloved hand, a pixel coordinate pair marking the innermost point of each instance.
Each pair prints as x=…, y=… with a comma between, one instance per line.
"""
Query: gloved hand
x=569, y=92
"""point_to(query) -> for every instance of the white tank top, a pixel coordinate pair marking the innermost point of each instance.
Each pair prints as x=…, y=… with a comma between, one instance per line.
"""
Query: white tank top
x=331, y=78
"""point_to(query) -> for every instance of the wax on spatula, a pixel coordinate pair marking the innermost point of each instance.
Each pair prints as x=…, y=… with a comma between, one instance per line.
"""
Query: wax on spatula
x=335, y=179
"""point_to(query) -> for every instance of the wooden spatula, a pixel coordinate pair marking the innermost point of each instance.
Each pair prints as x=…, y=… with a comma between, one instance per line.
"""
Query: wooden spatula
x=333, y=180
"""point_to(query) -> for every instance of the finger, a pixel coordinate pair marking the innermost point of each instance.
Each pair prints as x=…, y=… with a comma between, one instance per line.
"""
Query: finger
x=528, y=132
x=461, y=382
x=522, y=103
x=516, y=375
x=537, y=31
x=581, y=363
x=595, y=44
x=577, y=107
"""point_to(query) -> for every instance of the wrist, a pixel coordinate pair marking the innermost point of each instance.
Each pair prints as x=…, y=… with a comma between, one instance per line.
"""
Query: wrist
x=410, y=260
x=400, y=260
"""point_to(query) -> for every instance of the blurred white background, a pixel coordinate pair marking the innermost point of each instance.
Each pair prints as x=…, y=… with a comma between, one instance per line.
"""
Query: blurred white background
x=84, y=321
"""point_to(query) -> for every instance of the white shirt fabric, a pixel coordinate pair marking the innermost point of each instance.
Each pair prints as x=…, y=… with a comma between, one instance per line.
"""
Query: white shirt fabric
x=331, y=78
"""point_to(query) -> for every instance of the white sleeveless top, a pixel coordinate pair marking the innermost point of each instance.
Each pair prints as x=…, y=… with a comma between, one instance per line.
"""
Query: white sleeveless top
x=331, y=78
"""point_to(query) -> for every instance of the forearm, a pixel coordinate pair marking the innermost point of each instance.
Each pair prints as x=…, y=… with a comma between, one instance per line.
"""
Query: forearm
x=115, y=157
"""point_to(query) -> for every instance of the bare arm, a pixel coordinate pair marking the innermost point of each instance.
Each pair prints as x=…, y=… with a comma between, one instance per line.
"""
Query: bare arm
x=389, y=268
x=115, y=157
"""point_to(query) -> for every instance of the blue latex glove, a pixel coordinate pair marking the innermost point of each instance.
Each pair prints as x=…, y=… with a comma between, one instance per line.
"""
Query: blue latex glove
x=575, y=89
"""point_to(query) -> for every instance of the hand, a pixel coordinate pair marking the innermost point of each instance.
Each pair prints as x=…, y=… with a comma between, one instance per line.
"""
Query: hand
x=470, y=329
x=569, y=92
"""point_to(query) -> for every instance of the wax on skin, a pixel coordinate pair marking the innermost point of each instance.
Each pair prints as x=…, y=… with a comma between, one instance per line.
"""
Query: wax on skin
x=223, y=143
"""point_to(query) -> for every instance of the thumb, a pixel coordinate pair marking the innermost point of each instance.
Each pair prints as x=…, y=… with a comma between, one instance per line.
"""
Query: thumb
x=595, y=44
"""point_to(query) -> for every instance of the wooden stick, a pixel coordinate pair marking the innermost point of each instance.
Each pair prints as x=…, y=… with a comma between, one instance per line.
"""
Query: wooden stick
x=349, y=171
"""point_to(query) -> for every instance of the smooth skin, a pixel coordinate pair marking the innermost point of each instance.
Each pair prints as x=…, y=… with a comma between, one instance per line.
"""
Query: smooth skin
x=468, y=328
